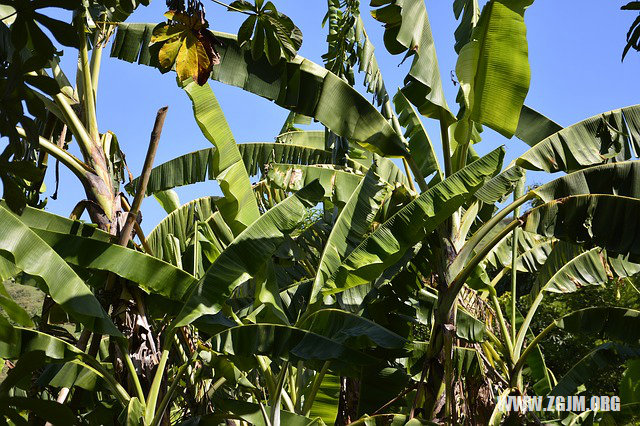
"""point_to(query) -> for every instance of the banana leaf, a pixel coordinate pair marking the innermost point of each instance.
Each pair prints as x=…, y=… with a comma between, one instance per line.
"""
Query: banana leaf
x=351, y=227
x=605, y=356
x=500, y=186
x=246, y=255
x=534, y=127
x=150, y=273
x=608, y=221
x=42, y=409
x=35, y=257
x=493, y=69
x=298, y=85
x=338, y=183
x=168, y=200
x=290, y=343
x=470, y=12
x=351, y=329
x=310, y=139
x=198, y=166
x=570, y=267
x=181, y=224
x=411, y=224
x=239, y=207
x=407, y=30
x=420, y=144
x=40, y=219
x=604, y=138
x=33, y=349
x=251, y=413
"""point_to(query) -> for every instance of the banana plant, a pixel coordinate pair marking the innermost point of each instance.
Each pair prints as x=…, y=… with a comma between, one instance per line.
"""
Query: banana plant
x=338, y=287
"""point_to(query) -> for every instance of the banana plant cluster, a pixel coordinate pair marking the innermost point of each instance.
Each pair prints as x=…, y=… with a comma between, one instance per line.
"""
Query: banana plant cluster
x=329, y=283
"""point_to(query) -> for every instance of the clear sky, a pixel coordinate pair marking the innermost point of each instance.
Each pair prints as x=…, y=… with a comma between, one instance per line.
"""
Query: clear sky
x=574, y=51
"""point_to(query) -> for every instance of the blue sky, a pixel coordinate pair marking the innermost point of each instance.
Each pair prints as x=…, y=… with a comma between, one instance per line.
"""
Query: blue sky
x=574, y=51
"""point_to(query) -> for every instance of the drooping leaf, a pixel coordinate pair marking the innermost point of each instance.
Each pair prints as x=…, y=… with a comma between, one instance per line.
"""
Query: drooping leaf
x=470, y=12
x=407, y=30
x=198, y=166
x=18, y=343
x=34, y=256
x=607, y=221
x=570, y=267
x=291, y=343
x=420, y=145
x=534, y=127
x=350, y=329
x=247, y=253
x=604, y=138
x=298, y=85
x=151, y=274
x=168, y=200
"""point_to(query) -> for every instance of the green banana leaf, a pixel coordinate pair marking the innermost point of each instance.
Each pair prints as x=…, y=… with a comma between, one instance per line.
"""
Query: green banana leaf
x=33, y=349
x=40, y=219
x=325, y=405
x=181, y=224
x=35, y=257
x=198, y=166
x=533, y=251
x=614, y=178
x=246, y=255
x=338, y=183
x=239, y=207
x=351, y=227
x=570, y=267
x=608, y=221
x=500, y=186
x=309, y=138
x=291, y=343
x=534, y=127
x=603, y=138
x=409, y=225
x=607, y=355
x=470, y=12
x=467, y=326
x=420, y=144
x=351, y=329
x=407, y=30
x=621, y=178
x=168, y=200
x=493, y=69
x=298, y=85
x=150, y=273
x=608, y=323
x=50, y=411
x=251, y=413
x=368, y=64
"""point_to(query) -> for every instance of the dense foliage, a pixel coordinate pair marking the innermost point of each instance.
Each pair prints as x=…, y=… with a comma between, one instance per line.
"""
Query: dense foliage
x=342, y=286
